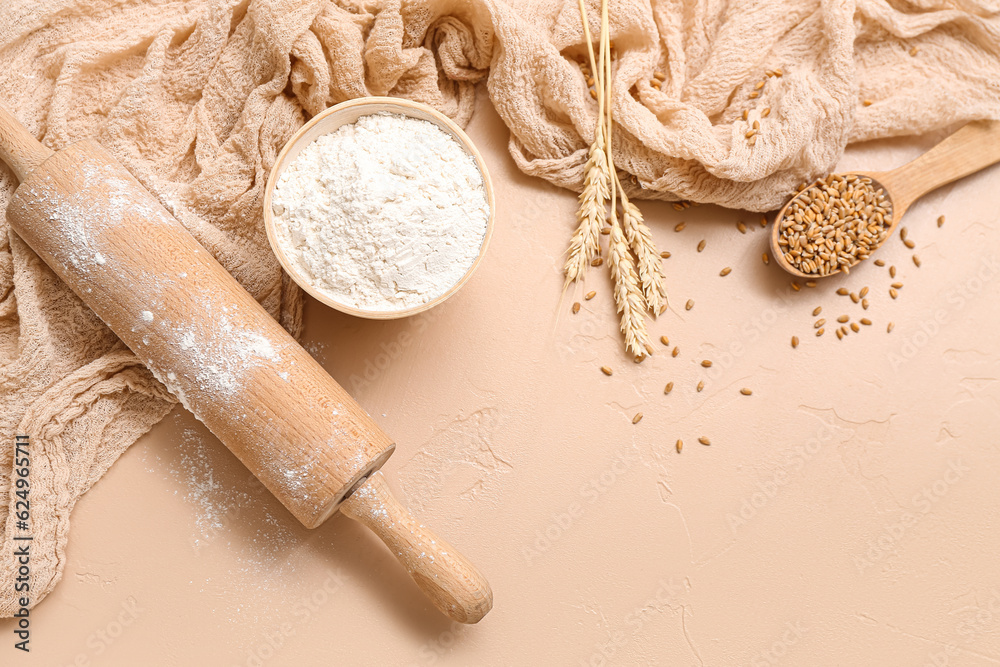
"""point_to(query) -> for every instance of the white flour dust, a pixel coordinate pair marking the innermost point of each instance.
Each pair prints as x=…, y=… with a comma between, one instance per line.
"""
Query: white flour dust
x=384, y=214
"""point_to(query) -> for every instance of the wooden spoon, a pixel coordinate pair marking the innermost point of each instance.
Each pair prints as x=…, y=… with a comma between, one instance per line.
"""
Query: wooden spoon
x=974, y=147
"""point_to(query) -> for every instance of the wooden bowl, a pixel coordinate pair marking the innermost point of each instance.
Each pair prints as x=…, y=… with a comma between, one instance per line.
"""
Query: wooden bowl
x=329, y=121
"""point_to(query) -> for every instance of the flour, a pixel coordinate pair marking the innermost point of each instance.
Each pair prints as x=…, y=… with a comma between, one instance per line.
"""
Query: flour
x=385, y=214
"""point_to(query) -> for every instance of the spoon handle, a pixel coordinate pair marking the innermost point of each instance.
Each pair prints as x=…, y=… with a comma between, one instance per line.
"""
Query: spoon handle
x=974, y=147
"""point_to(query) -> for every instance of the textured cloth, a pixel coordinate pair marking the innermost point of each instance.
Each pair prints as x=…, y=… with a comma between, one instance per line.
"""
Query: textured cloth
x=196, y=97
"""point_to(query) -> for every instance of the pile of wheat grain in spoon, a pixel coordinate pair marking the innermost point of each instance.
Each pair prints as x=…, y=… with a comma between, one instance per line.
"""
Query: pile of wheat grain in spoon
x=834, y=224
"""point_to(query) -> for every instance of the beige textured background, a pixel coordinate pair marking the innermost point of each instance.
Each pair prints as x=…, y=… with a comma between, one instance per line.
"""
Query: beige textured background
x=845, y=514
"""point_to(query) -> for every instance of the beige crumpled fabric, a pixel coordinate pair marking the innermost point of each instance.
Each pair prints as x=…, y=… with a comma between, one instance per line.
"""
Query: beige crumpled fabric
x=196, y=97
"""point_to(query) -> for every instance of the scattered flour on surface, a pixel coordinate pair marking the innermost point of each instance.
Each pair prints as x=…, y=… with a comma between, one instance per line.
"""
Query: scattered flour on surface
x=387, y=213
x=231, y=509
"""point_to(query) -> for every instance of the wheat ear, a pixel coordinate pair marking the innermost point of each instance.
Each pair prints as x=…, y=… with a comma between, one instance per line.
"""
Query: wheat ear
x=650, y=265
x=585, y=244
x=628, y=297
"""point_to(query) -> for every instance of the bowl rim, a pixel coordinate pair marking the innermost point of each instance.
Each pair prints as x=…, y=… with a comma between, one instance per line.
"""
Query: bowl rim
x=379, y=104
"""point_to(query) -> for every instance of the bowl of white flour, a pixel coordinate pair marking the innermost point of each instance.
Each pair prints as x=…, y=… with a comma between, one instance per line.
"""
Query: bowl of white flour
x=379, y=207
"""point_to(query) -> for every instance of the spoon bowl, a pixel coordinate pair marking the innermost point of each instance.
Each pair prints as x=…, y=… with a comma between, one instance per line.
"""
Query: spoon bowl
x=972, y=148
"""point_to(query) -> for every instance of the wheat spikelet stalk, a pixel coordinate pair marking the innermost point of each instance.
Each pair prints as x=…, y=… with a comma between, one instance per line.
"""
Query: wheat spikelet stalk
x=650, y=265
x=628, y=296
x=585, y=244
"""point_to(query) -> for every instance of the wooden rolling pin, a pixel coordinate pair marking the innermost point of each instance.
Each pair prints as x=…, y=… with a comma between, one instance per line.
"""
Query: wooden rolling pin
x=220, y=353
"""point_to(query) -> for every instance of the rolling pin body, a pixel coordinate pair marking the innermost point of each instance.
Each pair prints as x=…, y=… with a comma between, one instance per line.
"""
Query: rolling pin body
x=198, y=330
x=217, y=349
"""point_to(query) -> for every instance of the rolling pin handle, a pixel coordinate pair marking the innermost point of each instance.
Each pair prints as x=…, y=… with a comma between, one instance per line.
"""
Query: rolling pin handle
x=18, y=148
x=452, y=583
